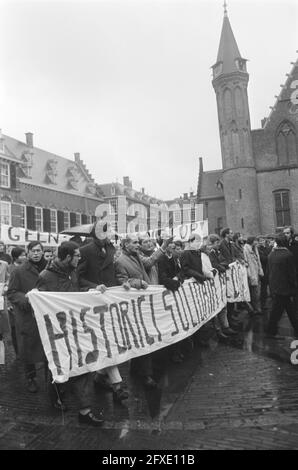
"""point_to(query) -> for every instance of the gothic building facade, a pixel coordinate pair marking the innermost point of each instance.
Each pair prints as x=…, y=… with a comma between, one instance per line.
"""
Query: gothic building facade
x=256, y=191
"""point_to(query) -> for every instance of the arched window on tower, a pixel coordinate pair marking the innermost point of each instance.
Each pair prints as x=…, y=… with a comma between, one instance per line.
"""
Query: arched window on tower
x=286, y=143
x=227, y=102
x=282, y=207
x=239, y=102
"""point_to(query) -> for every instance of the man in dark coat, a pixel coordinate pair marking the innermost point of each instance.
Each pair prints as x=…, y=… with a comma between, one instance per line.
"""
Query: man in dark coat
x=61, y=276
x=264, y=251
x=169, y=270
x=97, y=266
x=97, y=258
x=292, y=245
x=226, y=247
x=191, y=260
x=23, y=279
x=283, y=285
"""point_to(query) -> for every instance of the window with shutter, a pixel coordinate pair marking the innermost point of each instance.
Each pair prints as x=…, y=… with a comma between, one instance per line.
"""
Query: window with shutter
x=38, y=219
x=13, y=176
x=84, y=219
x=23, y=221
x=30, y=213
x=15, y=215
x=46, y=220
x=4, y=175
x=72, y=219
x=60, y=218
x=5, y=213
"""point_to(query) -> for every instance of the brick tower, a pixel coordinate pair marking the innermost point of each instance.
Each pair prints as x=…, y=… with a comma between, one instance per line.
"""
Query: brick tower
x=230, y=80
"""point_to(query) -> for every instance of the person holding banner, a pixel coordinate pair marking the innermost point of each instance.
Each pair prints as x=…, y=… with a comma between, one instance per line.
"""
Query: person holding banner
x=61, y=276
x=96, y=266
x=23, y=279
x=191, y=260
x=221, y=321
x=131, y=272
x=18, y=255
x=149, y=256
x=170, y=276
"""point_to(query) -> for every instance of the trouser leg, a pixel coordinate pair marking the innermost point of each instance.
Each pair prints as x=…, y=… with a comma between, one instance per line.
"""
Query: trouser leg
x=230, y=310
x=82, y=387
x=278, y=306
x=255, y=297
x=142, y=365
x=30, y=371
x=292, y=313
x=223, y=318
x=264, y=285
x=113, y=374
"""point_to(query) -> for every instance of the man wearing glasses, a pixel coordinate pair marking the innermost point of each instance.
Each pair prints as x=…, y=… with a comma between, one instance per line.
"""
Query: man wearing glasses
x=61, y=276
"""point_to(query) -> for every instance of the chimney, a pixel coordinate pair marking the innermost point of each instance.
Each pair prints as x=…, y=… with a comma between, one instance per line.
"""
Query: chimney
x=29, y=139
x=191, y=194
x=185, y=196
x=126, y=181
x=143, y=190
x=77, y=157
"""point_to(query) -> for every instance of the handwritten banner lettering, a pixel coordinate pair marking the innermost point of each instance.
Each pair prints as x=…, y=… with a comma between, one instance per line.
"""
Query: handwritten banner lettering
x=87, y=331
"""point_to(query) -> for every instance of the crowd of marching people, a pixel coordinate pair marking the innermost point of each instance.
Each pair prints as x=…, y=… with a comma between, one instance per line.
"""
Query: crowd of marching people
x=272, y=269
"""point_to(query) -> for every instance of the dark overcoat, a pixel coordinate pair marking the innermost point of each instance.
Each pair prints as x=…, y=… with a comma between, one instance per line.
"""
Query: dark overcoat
x=97, y=263
x=23, y=279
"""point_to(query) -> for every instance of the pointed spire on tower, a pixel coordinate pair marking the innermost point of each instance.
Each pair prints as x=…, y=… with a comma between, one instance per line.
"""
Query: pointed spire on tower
x=228, y=53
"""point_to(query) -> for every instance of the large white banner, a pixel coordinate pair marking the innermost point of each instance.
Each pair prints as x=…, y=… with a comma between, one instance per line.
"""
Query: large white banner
x=20, y=236
x=87, y=331
x=182, y=232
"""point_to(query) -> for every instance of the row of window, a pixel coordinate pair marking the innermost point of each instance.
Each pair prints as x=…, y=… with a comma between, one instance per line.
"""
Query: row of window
x=40, y=219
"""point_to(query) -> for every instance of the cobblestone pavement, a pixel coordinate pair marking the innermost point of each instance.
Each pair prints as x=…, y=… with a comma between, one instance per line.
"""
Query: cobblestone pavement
x=241, y=394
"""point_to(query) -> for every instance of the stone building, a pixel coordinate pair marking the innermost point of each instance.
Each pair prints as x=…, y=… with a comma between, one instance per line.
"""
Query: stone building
x=256, y=191
x=130, y=210
x=42, y=191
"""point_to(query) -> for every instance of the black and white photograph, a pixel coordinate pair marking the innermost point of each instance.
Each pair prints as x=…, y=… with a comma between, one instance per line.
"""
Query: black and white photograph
x=148, y=228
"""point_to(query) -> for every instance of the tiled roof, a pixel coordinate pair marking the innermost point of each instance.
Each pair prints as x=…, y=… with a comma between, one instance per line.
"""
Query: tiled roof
x=210, y=185
x=50, y=169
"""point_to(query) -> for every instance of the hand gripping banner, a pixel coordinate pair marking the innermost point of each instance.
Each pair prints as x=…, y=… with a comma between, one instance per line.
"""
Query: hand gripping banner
x=87, y=331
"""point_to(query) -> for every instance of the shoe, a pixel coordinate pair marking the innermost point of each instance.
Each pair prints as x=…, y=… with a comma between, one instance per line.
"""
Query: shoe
x=59, y=405
x=32, y=385
x=229, y=331
x=148, y=382
x=101, y=383
x=89, y=418
x=120, y=395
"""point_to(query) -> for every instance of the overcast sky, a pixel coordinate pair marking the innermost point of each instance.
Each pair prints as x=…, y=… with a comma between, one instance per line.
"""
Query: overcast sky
x=128, y=83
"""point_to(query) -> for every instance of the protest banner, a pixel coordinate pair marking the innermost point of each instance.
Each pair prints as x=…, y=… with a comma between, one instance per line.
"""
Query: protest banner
x=20, y=236
x=87, y=331
x=180, y=232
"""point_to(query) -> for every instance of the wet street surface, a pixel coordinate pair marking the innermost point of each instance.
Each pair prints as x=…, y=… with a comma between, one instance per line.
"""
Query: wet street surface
x=240, y=393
